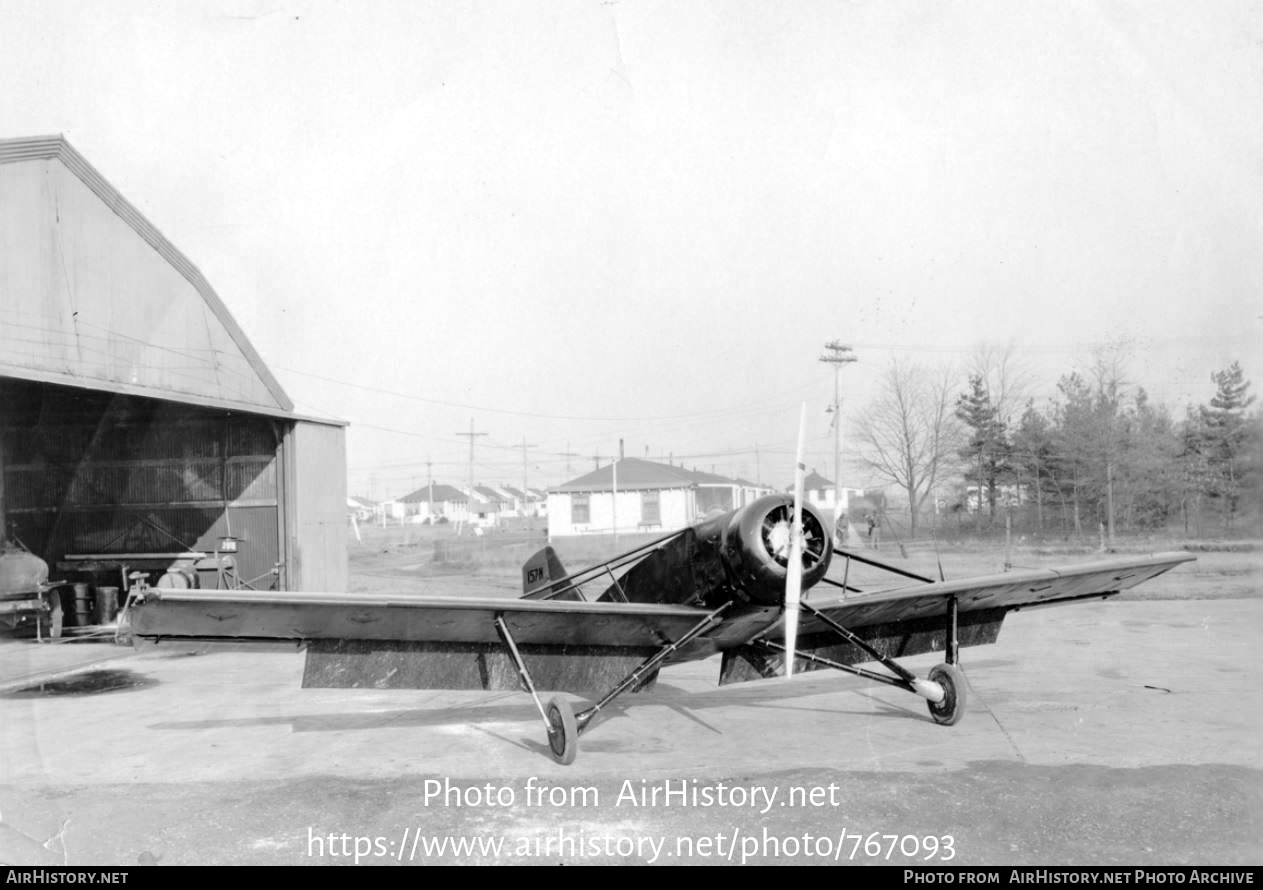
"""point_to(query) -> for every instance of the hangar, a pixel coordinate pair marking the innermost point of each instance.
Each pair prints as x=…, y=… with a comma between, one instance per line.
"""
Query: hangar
x=138, y=425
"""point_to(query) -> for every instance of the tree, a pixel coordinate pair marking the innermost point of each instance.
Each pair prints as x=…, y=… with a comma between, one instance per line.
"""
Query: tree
x=1195, y=478
x=1073, y=444
x=908, y=433
x=1147, y=475
x=1108, y=441
x=1032, y=457
x=1225, y=431
x=987, y=448
x=1004, y=377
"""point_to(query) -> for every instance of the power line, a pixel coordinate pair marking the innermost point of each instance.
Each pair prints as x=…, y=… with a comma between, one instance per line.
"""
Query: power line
x=712, y=413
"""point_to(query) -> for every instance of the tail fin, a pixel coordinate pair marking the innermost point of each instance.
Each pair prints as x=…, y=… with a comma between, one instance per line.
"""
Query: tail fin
x=540, y=575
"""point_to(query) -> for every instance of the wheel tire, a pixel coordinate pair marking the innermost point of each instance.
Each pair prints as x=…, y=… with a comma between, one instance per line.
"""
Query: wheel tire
x=949, y=711
x=563, y=732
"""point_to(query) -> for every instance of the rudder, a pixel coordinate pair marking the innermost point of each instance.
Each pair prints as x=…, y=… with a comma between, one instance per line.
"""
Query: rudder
x=541, y=577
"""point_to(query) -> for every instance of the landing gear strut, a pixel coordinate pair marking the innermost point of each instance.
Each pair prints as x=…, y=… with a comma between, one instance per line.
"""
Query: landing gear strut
x=561, y=723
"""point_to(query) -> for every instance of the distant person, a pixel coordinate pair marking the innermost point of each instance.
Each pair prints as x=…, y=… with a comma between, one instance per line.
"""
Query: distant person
x=872, y=530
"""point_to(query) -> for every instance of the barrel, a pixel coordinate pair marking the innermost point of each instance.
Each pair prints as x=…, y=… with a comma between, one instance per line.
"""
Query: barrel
x=106, y=604
x=83, y=605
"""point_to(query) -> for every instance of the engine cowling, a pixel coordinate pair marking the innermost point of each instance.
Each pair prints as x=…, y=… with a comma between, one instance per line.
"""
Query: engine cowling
x=754, y=544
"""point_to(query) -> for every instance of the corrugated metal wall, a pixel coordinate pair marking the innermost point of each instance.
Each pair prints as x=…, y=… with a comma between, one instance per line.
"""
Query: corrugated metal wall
x=93, y=472
x=314, y=503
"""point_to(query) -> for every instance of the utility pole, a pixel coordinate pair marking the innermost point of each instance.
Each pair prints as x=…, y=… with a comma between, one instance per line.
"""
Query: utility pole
x=472, y=435
x=429, y=481
x=837, y=354
x=525, y=495
x=567, y=454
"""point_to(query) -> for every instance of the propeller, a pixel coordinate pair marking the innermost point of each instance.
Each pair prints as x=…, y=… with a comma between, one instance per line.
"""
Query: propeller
x=794, y=566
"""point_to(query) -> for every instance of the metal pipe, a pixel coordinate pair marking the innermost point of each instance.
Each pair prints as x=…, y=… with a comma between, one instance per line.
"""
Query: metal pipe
x=889, y=663
x=881, y=565
x=839, y=666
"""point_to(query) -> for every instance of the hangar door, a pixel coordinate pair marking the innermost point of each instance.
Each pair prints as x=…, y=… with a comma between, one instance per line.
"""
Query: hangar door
x=88, y=472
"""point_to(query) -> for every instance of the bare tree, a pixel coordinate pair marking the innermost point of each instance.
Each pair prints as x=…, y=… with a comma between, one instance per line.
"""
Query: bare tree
x=1005, y=376
x=909, y=433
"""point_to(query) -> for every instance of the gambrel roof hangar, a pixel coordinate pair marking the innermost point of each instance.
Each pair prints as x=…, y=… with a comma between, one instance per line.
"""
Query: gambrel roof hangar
x=136, y=419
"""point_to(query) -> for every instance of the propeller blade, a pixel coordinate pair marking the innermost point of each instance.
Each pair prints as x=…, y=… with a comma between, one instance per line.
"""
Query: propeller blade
x=794, y=569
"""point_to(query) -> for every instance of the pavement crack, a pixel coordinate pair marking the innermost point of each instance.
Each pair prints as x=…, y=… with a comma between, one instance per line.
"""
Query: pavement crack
x=999, y=725
x=61, y=837
x=47, y=844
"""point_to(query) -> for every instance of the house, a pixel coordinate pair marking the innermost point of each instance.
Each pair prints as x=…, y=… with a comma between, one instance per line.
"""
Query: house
x=536, y=502
x=822, y=494
x=486, y=505
x=1006, y=495
x=362, y=509
x=633, y=495
x=434, y=501
x=514, y=500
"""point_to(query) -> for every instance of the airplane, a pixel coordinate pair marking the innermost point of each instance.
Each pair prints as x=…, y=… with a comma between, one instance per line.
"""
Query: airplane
x=731, y=585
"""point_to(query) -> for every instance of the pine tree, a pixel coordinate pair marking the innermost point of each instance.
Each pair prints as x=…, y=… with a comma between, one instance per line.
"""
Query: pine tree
x=987, y=451
x=1225, y=432
x=1032, y=457
x=1073, y=435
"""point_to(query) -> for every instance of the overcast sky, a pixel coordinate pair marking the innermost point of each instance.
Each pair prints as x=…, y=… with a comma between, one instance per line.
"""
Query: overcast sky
x=575, y=222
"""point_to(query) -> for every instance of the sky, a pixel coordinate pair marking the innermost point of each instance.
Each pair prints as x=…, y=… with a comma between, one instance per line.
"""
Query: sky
x=575, y=223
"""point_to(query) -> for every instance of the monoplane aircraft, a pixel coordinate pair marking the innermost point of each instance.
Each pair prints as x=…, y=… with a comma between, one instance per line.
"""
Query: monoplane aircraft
x=730, y=585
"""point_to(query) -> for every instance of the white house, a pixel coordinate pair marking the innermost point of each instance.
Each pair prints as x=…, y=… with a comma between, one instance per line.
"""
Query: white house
x=487, y=505
x=536, y=502
x=824, y=495
x=516, y=501
x=639, y=496
x=433, y=501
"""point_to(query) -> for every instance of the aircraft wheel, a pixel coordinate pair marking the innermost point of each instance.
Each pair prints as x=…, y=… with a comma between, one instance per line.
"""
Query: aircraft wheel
x=563, y=731
x=949, y=711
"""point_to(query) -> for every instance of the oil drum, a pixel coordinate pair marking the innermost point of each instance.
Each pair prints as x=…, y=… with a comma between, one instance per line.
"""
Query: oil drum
x=83, y=604
x=106, y=604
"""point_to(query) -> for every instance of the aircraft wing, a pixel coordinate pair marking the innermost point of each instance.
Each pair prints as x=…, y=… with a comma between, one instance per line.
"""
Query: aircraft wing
x=424, y=642
x=909, y=619
x=1008, y=591
x=249, y=615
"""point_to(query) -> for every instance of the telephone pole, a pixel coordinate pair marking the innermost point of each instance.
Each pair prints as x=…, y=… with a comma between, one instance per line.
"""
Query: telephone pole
x=525, y=495
x=837, y=354
x=472, y=435
x=567, y=454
